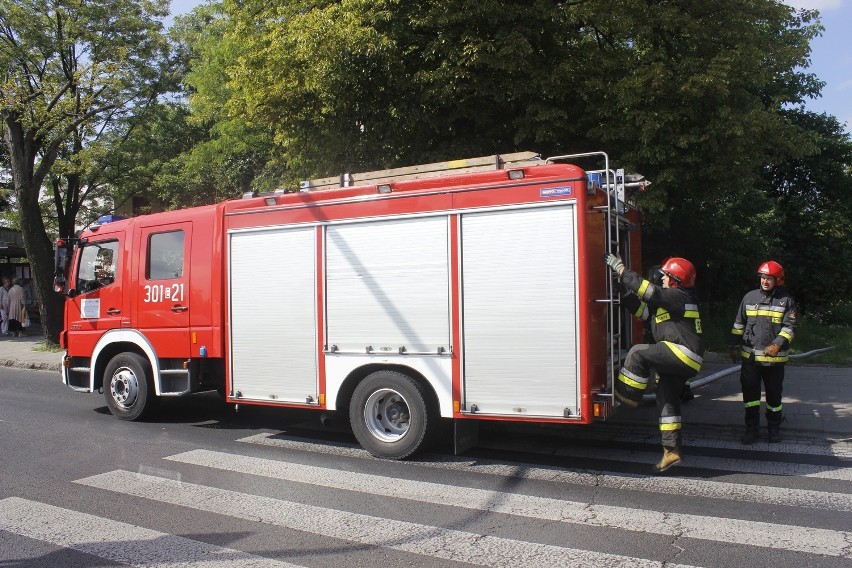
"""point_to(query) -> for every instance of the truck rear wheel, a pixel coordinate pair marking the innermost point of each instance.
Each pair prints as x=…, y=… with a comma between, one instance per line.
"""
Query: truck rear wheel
x=390, y=415
x=128, y=386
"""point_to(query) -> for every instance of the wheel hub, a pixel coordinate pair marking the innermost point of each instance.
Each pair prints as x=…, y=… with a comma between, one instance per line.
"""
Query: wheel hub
x=124, y=387
x=387, y=415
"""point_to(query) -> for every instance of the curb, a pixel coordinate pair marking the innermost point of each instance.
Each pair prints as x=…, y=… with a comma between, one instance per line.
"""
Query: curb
x=53, y=367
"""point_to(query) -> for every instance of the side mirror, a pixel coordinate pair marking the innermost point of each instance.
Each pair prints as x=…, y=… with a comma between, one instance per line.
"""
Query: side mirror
x=61, y=256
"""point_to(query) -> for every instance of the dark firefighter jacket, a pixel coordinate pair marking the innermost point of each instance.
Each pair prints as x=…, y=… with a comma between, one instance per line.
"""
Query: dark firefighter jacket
x=673, y=314
x=763, y=319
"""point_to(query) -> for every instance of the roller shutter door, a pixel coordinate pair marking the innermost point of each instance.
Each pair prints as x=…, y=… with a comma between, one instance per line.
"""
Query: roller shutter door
x=387, y=286
x=520, y=312
x=273, y=314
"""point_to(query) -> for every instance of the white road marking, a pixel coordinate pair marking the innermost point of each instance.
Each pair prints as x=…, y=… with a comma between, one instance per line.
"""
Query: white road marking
x=668, y=485
x=116, y=541
x=734, y=531
x=460, y=546
x=720, y=464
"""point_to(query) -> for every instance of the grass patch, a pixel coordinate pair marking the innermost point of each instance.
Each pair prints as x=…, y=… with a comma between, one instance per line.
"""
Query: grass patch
x=47, y=346
x=816, y=335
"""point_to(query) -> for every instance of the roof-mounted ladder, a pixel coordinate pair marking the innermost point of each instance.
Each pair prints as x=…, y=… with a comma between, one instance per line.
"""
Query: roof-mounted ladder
x=436, y=169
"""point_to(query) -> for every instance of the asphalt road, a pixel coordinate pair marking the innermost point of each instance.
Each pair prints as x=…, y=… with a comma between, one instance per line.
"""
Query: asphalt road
x=199, y=484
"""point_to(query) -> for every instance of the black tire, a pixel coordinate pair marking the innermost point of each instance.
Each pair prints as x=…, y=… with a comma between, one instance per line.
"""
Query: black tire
x=128, y=386
x=390, y=415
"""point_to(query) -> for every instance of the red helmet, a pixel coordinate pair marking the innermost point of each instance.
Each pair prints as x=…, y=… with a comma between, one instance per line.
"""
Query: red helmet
x=680, y=271
x=772, y=268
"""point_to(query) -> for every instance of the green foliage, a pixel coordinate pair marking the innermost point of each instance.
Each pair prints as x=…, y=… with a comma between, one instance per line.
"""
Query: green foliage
x=142, y=158
x=813, y=196
x=813, y=334
x=217, y=153
x=72, y=71
x=357, y=84
x=701, y=98
x=693, y=93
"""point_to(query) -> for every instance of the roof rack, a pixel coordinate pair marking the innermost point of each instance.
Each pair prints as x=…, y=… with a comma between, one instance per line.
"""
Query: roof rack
x=436, y=169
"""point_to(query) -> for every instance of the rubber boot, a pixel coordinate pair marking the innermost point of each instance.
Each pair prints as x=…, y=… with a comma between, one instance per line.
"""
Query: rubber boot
x=671, y=457
x=773, y=422
x=774, y=433
x=752, y=435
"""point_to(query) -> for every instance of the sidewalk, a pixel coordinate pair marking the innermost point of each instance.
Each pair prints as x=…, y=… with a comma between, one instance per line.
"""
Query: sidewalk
x=817, y=400
x=19, y=352
x=817, y=405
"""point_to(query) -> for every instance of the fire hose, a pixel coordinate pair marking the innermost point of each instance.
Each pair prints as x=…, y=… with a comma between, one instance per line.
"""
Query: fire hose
x=731, y=370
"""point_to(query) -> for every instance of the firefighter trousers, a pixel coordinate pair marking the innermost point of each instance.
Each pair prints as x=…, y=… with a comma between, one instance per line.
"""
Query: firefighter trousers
x=772, y=377
x=673, y=373
x=669, y=392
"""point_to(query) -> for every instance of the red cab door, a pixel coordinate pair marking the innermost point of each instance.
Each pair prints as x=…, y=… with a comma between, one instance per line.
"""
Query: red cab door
x=162, y=300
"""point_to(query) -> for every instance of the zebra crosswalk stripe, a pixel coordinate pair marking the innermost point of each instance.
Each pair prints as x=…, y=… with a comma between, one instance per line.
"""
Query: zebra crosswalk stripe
x=734, y=531
x=448, y=544
x=607, y=480
x=723, y=464
x=120, y=542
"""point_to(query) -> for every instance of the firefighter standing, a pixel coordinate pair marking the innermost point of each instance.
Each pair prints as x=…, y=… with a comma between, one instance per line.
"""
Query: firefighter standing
x=678, y=353
x=763, y=329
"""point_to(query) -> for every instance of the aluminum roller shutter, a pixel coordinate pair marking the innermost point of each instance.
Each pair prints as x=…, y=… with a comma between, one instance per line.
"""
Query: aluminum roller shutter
x=273, y=314
x=520, y=312
x=387, y=286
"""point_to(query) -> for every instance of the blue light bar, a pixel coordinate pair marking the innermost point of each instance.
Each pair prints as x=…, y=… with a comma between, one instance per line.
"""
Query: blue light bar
x=104, y=219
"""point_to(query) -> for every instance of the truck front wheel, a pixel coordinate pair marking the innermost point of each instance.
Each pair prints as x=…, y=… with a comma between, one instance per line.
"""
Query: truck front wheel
x=390, y=415
x=128, y=387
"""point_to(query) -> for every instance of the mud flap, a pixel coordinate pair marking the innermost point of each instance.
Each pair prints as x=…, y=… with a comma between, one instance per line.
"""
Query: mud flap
x=465, y=435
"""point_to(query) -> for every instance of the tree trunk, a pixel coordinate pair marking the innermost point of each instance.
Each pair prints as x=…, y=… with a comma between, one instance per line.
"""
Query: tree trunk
x=23, y=148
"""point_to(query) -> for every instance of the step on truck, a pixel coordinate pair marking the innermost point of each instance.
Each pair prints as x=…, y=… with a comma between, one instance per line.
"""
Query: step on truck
x=460, y=291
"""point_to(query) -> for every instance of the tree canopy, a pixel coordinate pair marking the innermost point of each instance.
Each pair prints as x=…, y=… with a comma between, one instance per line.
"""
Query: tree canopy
x=701, y=97
x=72, y=69
x=361, y=84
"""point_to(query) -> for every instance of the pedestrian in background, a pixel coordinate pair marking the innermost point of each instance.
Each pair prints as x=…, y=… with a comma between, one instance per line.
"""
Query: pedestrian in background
x=763, y=329
x=17, y=305
x=4, y=306
x=678, y=354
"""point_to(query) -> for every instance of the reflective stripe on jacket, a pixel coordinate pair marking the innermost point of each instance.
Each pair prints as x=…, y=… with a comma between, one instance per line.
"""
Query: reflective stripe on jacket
x=673, y=313
x=763, y=319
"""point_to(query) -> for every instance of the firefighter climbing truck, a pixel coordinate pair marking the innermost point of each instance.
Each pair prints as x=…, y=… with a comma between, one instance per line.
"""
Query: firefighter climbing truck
x=462, y=291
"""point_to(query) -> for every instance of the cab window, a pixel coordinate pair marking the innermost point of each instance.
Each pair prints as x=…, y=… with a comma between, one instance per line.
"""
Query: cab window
x=165, y=256
x=97, y=266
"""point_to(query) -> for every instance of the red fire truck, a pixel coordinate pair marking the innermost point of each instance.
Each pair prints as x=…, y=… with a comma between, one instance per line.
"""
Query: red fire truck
x=466, y=291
